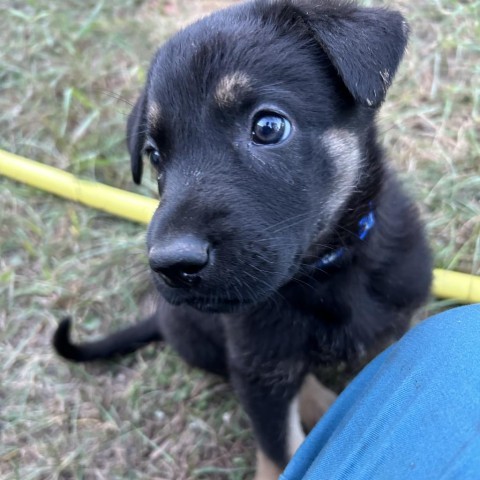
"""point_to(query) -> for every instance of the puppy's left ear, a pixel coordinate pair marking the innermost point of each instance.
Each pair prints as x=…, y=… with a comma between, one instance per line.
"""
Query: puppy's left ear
x=136, y=125
x=364, y=44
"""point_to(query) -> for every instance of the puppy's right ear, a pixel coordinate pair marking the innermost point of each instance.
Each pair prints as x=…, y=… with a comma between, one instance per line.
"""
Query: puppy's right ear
x=136, y=126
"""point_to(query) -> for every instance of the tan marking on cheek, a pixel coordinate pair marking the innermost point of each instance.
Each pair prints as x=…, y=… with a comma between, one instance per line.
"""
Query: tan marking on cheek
x=154, y=114
x=315, y=400
x=344, y=149
x=230, y=87
x=266, y=469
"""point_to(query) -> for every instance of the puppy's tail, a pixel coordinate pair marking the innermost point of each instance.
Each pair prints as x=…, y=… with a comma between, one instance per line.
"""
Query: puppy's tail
x=119, y=343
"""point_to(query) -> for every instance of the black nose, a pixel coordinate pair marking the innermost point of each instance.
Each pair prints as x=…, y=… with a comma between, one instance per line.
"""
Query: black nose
x=180, y=260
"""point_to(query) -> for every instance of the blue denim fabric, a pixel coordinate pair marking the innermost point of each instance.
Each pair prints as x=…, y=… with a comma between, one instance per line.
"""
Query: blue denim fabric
x=412, y=413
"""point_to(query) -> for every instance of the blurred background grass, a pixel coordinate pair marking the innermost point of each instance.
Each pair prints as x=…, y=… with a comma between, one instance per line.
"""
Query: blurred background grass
x=69, y=73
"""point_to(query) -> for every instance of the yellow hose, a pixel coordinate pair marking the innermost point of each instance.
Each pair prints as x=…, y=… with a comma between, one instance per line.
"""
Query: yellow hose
x=97, y=195
x=462, y=287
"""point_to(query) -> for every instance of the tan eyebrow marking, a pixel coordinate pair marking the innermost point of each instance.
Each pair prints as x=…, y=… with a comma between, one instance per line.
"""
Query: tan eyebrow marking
x=230, y=87
x=154, y=114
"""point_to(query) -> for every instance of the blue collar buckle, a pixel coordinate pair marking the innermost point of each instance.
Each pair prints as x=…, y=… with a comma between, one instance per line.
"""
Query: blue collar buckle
x=365, y=224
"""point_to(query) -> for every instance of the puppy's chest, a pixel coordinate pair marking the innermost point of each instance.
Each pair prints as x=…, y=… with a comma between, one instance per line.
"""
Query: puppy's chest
x=280, y=342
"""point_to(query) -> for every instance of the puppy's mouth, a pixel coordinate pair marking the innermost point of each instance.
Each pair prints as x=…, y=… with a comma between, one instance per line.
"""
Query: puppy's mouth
x=209, y=304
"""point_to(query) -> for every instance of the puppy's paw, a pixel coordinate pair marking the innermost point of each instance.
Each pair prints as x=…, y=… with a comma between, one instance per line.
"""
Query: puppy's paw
x=266, y=469
x=314, y=401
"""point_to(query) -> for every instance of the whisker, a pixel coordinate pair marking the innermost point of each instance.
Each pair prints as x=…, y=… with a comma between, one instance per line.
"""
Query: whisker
x=287, y=223
x=114, y=95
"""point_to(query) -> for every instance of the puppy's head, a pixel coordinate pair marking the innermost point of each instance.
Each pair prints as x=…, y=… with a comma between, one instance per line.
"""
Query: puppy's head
x=256, y=120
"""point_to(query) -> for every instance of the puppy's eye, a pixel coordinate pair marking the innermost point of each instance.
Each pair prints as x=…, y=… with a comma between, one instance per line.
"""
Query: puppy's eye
x=270, y=128
x=155, y=157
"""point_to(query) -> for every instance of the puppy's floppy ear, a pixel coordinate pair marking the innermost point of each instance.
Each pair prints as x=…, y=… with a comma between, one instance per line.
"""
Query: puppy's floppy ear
x=364, y=44
x=136, y=125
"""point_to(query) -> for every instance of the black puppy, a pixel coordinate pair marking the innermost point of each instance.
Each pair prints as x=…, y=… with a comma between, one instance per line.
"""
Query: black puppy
x=282, y=240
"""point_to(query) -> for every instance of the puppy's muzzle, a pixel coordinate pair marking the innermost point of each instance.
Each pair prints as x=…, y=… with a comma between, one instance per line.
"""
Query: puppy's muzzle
x=180, y=260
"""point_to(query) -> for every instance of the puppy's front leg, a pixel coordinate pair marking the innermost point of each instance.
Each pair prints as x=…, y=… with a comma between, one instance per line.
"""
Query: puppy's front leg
x=274, y=412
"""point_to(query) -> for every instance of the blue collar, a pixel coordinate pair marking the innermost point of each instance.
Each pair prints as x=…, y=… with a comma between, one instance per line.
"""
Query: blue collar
x=365, y=224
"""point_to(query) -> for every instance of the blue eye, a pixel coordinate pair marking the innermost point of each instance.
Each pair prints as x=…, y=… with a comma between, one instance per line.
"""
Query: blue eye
x=270, y=128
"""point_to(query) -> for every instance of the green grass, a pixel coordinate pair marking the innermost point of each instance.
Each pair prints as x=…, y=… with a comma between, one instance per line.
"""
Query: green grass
x=69, y=72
